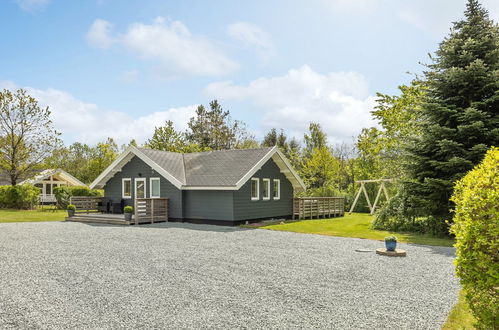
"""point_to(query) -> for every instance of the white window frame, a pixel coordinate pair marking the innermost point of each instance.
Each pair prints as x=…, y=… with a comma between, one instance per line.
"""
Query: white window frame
x=123, y=188
x=150, y=187
x=257, y=189
x=278, y=197
x=266, y=181
x=145, y=187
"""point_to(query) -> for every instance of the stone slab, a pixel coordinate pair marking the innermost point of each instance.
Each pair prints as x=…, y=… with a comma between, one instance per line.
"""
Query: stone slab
x=396, y=253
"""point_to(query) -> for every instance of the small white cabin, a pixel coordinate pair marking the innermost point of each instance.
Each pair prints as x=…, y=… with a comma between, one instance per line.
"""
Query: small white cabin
x=49, y=179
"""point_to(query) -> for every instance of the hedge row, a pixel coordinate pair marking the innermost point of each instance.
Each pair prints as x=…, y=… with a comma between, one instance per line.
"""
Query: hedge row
x=476, y=226
x=19, y=197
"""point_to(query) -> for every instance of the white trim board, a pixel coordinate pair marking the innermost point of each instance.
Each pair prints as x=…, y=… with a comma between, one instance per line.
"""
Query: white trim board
x=124, y=158
x=65, y=176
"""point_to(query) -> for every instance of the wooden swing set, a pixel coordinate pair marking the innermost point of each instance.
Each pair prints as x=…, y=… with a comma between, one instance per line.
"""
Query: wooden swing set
x=362, y=188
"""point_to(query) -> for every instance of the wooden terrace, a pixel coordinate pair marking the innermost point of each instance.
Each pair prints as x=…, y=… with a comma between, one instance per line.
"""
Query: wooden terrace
x=318, y=207
x=146, y=210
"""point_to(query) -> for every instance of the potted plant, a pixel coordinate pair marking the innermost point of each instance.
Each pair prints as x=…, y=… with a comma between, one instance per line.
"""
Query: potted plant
x=390, y=243
x=71, y=210
x=128, y=210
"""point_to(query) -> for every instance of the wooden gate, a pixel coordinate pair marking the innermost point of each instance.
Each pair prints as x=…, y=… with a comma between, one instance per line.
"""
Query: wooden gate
x=150, y=210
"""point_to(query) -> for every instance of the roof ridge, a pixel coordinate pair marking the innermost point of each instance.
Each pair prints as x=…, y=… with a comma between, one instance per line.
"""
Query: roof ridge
x=208, y=151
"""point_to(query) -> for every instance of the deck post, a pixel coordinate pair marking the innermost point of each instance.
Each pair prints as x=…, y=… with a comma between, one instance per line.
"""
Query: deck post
x=152, y=210
x=136, y=211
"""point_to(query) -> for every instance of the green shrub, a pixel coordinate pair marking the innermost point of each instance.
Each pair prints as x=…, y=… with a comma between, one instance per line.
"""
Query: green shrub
x=476, y=226
x=19, y=197
x=128, y=209
x=64, y=193
x=71, y=207
x=403, y=213
x=390, y=239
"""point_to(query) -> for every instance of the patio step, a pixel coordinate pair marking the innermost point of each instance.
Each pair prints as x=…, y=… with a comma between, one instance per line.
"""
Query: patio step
x=98, y=219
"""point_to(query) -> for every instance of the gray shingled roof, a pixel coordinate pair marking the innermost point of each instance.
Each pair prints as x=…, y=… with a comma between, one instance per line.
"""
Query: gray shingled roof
x=172, y=162
x=212, y=168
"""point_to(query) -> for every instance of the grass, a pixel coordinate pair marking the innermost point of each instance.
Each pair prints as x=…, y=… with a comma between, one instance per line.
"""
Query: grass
x=460, y=317
x=355, y=225
x=47, y=214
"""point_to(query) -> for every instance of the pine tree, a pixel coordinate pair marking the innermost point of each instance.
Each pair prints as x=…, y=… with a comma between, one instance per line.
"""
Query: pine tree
x=460, y=113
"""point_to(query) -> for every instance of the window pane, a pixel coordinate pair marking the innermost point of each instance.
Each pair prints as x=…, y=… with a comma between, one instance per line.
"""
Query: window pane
x=266, y=189
x=127, y=188
x=48, y=189
x=254, y=188
x=155, y=188
x=276, y=188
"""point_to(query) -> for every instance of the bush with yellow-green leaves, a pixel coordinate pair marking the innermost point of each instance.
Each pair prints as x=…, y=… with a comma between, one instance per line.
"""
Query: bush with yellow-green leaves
x=476, y=226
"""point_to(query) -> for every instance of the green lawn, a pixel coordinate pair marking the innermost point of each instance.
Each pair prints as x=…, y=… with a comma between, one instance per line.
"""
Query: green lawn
x=460, y=317
x=7, y=215
x=355, y=225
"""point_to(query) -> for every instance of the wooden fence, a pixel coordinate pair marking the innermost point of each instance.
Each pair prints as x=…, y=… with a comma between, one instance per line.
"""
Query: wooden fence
x=150, y=210
x=85, y=204
x=317, y=207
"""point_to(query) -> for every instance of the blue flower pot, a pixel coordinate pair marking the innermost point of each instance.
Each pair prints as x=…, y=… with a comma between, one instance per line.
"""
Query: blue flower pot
x=390, y=246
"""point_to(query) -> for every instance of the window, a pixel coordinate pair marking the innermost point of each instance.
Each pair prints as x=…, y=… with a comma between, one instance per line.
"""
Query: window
x=154, y=184
x=126, y=188
x=255, y=189
x=276, y=192
x=266, y=189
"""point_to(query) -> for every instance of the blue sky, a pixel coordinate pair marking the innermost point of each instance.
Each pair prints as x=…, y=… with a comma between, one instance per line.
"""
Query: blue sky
x=119, y=68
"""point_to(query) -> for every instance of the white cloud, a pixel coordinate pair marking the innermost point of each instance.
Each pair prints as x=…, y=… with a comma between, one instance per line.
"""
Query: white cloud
x=99, y=34
x=251, y=36
x=33, y=5
x=339, y=101
x=88, y=123
x=171, y=45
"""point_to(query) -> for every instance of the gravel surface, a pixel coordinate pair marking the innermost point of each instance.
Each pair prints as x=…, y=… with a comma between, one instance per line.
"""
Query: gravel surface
x=60, y=275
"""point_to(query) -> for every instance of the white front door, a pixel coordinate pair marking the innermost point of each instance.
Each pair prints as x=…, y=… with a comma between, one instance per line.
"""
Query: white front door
x=140, y=188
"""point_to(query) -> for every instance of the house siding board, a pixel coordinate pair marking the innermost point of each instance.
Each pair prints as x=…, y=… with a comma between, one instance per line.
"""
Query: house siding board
x=246, y=209
x=208, y=205
x=112, y=189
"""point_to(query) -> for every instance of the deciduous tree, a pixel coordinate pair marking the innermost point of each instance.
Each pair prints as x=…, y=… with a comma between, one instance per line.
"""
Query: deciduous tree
x=27, y=135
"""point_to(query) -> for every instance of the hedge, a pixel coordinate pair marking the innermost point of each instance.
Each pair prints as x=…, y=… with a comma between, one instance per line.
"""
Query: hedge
x=64, y=193
x=19, y=197
x=476, y=226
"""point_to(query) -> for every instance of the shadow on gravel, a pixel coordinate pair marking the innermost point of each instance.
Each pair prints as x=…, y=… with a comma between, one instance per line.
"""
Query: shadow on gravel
x=441, y=250
x=180, y=225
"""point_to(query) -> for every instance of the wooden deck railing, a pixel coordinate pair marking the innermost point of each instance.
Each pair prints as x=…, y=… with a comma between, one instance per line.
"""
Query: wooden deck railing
x=316, y=207
x=85, y=204
x=151, y=210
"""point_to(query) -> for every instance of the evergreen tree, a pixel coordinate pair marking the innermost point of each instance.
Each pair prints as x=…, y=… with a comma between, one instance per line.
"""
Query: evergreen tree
x=214, y=129
x=166, y=138
x=460, y=113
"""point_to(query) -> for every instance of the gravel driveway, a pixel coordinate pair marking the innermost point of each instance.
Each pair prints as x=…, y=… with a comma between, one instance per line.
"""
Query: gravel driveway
x=61, y=275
